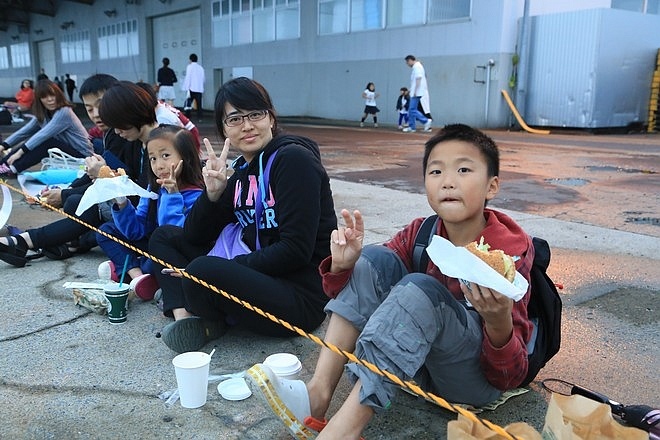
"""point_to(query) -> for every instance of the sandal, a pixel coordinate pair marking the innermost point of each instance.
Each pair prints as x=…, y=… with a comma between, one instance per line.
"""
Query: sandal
x=15, y=252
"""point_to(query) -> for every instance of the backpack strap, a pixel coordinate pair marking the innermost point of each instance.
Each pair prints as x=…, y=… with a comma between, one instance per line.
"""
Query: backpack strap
x=425, y=233
x=262, y=188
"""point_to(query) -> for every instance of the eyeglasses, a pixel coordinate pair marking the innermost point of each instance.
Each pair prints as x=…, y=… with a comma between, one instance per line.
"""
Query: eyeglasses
x=237, y=120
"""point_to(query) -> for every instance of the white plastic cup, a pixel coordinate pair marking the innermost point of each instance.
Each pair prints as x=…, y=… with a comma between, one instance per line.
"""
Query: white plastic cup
x=284, y=365
x=192, y=377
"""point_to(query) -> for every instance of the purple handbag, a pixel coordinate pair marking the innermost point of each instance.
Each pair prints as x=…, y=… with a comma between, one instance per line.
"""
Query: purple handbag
x=230, y=243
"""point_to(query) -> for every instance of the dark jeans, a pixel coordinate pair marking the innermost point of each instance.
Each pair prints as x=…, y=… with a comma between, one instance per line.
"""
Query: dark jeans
x=65, y=230
x=197, y=98
x=274, y=295
x=34, y=156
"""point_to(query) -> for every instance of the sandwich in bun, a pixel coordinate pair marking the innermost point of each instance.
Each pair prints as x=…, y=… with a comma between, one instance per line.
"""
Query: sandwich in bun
x=497, y=259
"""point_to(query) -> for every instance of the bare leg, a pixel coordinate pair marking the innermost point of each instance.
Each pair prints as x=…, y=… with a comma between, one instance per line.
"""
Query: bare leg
x=181, y=314
x=26, y=237
x=330, y=365
x=350, y=420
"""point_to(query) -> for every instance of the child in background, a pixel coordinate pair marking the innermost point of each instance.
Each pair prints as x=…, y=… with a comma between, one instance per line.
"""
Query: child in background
x=402, y=107
x=370, y=108
x=177, y=178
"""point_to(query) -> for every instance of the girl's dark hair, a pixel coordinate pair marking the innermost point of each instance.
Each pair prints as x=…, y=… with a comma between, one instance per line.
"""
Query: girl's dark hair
x=126, y=105
x=370, y=84
x=191, y=171
x=184, y=143
x=44, y=88
x=29, y=82
x=462, y=132
x=244, y=94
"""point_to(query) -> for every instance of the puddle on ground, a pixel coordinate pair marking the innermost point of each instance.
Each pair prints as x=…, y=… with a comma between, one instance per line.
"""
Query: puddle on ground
x=623, y=170
x=634, y=305
x=569, y=181
x=654, y=221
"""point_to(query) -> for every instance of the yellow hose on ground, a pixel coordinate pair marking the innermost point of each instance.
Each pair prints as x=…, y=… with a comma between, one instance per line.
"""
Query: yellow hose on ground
x=519, y=118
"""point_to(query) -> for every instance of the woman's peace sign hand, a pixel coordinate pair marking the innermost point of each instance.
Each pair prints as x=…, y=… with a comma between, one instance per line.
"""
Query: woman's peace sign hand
x=215, y=171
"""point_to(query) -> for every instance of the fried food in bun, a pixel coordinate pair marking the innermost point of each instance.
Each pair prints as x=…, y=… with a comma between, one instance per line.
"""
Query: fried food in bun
x=497, y=259
x=107, y=172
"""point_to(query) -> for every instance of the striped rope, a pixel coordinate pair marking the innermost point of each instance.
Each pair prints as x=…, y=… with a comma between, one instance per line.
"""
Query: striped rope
x=411, y=386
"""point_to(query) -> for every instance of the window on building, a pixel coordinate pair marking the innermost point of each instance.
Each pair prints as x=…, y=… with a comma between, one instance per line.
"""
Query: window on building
x=4, y=58
x=333, y=16
x=341, y=16
x=75, y=47
x=118, y=40
x=643, y=6
x=236, y=22
x=20, y=55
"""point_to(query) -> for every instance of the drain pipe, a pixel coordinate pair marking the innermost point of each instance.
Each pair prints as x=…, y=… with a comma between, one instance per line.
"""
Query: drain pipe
x=489, y=66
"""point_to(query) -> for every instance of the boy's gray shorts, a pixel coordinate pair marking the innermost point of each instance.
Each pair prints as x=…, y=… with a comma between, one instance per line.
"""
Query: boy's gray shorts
x=413, y=327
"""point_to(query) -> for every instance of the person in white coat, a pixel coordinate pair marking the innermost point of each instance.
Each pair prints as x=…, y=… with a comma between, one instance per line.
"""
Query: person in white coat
x=194, y=84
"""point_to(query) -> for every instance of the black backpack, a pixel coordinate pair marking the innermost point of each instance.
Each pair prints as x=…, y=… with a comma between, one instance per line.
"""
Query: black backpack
x=544, y=302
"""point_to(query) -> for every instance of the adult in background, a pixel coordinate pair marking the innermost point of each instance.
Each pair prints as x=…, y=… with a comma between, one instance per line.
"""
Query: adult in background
x=194, y=84
x=70, y=85
x=54, y=125
x=279, y=274
x=166, y=79
x=418, y=92
x=24, y=99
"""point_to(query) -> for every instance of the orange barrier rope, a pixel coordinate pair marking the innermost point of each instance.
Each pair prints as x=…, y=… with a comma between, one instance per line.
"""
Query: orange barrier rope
x=411, y=386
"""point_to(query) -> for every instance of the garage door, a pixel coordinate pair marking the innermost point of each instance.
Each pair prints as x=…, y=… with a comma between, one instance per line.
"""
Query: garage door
x=176, y=36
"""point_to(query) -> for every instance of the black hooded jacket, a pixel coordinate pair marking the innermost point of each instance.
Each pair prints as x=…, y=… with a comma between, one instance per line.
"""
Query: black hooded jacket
x=295, y=228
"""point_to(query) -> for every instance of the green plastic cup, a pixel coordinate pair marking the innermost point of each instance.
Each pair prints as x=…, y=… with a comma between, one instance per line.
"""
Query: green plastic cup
x=117, y=295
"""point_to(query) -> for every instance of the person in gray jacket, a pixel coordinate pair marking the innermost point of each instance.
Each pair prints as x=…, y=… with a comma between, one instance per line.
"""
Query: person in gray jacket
x=54, y=125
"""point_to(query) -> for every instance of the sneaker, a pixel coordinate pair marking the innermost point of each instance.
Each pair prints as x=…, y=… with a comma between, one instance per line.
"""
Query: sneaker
x=6, y=171
x=409, y=130
x=106, y=271
x=17, y=119
x=288, y=399
x=427, y=125
x=191, y=334
x=144, y=286
x=400, y=127
x=361, y=124
x=375, y=125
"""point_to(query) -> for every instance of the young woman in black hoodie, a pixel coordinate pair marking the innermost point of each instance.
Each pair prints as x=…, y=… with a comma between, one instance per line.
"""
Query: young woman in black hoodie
x=279, y=274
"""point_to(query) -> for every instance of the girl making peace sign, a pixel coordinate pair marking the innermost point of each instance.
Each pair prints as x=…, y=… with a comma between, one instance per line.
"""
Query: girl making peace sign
x=176, y=175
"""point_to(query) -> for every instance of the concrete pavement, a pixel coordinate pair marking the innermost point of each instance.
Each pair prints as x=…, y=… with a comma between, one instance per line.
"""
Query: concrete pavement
x=67, y=373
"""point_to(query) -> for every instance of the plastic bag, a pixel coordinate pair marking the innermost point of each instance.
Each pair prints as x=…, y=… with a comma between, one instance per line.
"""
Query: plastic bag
x=61, y=160
x=578, y=418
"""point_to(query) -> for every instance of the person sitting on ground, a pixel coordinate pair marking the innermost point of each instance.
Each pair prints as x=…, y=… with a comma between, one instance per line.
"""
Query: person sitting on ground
x=24, y=99
x=54, y=125
x=176, y=175
x=290, y=238
x=462, y=341
x=64, y=238
x=130, y=110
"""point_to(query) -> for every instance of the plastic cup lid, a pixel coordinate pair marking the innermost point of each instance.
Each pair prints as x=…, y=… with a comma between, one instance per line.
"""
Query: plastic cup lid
x=283, y=364
x=234, y=389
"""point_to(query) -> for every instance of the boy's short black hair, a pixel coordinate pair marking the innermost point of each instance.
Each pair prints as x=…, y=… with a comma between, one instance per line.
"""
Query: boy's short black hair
x=410, y=58
x=193, y=57
x=465, y=133
x=96, y=84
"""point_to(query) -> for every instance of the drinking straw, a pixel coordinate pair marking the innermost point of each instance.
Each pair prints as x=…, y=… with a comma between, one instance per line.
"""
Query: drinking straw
x=123, y=271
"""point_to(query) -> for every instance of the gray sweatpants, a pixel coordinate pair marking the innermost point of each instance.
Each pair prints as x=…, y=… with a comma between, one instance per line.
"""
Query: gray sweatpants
x=413, y=327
